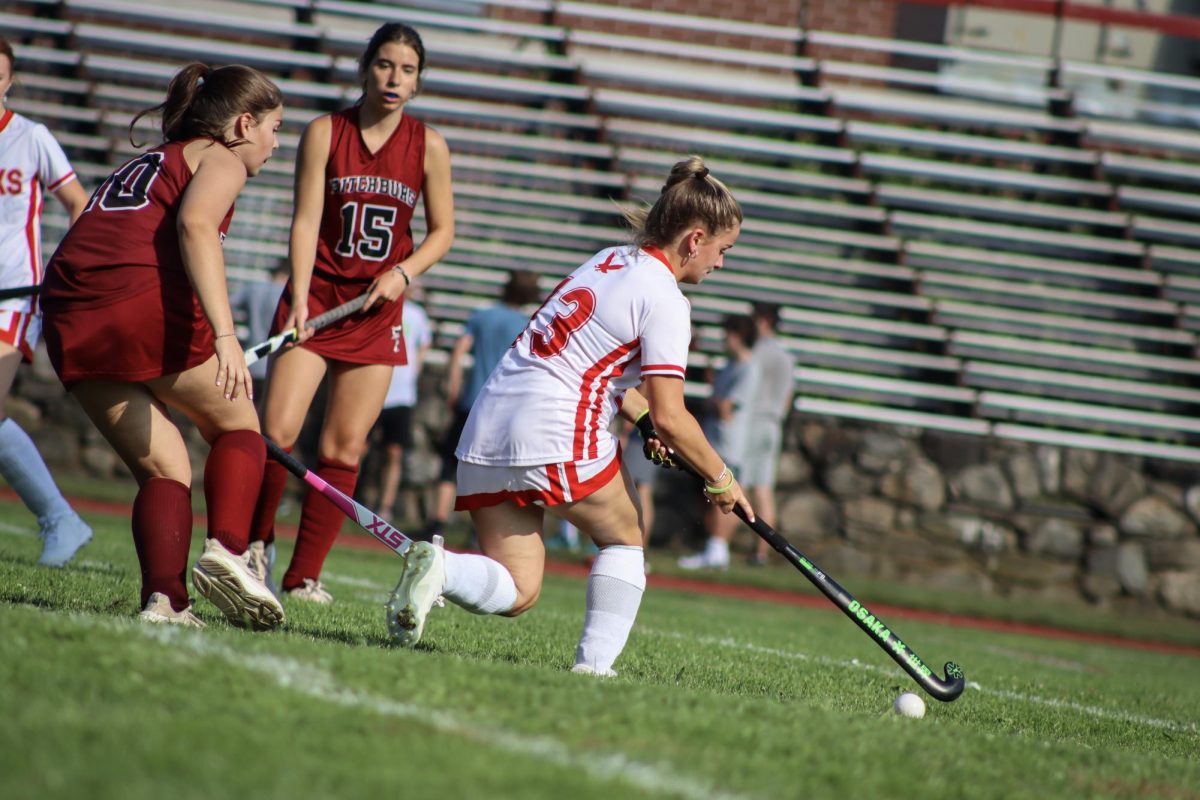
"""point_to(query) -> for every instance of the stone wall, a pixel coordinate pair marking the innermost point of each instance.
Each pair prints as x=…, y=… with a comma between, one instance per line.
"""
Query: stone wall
x=950, y=511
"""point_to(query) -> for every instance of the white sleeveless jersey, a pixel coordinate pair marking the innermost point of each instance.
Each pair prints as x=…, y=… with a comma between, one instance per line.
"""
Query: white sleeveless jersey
x=614, y=321
x=31, y=163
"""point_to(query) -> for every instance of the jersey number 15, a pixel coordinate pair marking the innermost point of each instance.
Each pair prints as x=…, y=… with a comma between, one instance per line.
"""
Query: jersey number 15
x=366, y=231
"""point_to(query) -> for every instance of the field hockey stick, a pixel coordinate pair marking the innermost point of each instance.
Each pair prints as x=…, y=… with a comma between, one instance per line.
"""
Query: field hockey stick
x=20, y=291
x=944, y=689
x=366, y=519
x=264, y=349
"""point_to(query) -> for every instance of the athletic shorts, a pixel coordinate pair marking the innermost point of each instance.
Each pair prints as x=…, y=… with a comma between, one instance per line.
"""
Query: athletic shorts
x=549, y=485
x=396, y=425
x=763, y=444
x=20, y=329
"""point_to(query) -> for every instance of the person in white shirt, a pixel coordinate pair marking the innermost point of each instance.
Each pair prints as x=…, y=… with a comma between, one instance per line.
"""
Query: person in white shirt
x=395, y=421
x=31, y=164
x=772, y=402
x=611, y=338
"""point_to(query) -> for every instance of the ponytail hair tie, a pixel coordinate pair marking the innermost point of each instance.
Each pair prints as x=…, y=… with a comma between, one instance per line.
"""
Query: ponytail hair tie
x=702, y=173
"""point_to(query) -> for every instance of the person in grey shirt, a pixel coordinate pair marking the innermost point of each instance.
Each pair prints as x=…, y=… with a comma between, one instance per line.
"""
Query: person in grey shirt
x=772, y=401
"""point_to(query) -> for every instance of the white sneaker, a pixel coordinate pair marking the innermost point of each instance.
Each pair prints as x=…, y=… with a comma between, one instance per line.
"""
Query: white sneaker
x=158, y=610
x=420, y=587
x=62, y=537
x=312, y=591
x=227, y=582
x=260, y=558
x=587, y=669
x=703, y=561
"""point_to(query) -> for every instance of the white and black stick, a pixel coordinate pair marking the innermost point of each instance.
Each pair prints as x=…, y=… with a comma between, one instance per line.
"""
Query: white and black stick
x=20, y=291
x=367, y=519
x=264, y=349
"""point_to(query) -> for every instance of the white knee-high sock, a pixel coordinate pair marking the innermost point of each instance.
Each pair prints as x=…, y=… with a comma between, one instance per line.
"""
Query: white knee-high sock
x=22, y=466
x=614, y=594
x=478, y=584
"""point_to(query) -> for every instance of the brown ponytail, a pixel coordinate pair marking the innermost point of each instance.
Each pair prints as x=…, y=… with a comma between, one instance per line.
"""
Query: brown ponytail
x=201, y=100
x=691, y=195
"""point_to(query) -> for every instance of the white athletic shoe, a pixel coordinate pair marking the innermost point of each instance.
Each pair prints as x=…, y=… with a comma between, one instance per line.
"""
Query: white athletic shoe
x=420, y=587
x=260, y=558
x=588, y=669
x=62, y=537
x=703, y=560
x=227, y=582
x=158, y=610
x=312, y=591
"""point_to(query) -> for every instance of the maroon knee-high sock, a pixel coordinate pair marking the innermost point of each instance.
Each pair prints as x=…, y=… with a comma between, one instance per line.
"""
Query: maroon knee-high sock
x=262, y=528
x=162, y=534
x=320, y=521
x=232, y=478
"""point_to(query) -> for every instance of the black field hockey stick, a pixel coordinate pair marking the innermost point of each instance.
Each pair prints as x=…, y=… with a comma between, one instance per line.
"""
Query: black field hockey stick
x=264, y=349
x=20, y=291
x=944, y=689
x=365, y=518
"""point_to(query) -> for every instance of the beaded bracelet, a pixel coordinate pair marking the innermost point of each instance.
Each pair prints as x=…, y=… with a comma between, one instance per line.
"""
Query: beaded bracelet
x=715, y=487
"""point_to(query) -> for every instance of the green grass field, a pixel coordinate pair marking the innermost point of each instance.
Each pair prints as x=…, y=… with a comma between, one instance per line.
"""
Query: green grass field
x=716, y=698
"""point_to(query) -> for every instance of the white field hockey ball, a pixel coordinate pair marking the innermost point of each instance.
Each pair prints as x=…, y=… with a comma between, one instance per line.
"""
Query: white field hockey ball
x=909, y=705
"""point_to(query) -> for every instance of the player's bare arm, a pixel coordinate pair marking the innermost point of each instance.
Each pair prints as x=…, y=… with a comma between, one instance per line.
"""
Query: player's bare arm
x=73, y=198
x=308, y=205
x=218, y=177
x=679, y=430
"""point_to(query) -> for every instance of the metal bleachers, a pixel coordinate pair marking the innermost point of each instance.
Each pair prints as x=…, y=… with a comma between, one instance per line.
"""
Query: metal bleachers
x=954, y=250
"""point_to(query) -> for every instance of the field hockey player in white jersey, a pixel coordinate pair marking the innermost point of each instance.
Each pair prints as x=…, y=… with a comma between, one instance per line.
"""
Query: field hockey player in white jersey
x=31, y=164
x=611, y=338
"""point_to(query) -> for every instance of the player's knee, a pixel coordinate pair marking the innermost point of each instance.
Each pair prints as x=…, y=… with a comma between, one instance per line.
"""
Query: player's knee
x=525, y=601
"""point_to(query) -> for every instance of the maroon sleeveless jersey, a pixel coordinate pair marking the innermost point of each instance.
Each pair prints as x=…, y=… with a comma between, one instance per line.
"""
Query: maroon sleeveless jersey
x=117, y=302
x=365, y=231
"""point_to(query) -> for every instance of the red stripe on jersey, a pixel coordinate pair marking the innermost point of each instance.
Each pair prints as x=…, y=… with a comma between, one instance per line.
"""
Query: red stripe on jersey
x=58, y=183
x=5, y=118
x=31, y=231
x=586, y=390
x=556, y=485
x=671, y=368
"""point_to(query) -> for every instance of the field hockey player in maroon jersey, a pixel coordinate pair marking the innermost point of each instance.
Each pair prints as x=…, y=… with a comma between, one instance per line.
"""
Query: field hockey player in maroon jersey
x=359, y=174
x=138, y=323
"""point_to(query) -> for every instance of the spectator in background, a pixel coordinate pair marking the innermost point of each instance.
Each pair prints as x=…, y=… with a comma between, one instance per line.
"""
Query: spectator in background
x=31, y=164
x=772, y=401
x=727, y=426
x=489, y=333
x=258, y=301
x=396, y=420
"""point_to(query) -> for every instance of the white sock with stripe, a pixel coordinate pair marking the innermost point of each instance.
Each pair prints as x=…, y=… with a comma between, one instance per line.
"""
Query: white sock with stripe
x=614, y=594
x=22, y=466
x=478, y=584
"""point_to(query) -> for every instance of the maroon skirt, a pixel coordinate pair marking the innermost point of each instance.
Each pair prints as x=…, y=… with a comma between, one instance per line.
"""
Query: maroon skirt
x=374, y=337
x=149, y=335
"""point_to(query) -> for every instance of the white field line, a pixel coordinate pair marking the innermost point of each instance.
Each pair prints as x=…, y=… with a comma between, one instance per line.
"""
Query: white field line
x=1031, y=699
x=17, y=530
x=304, y=678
